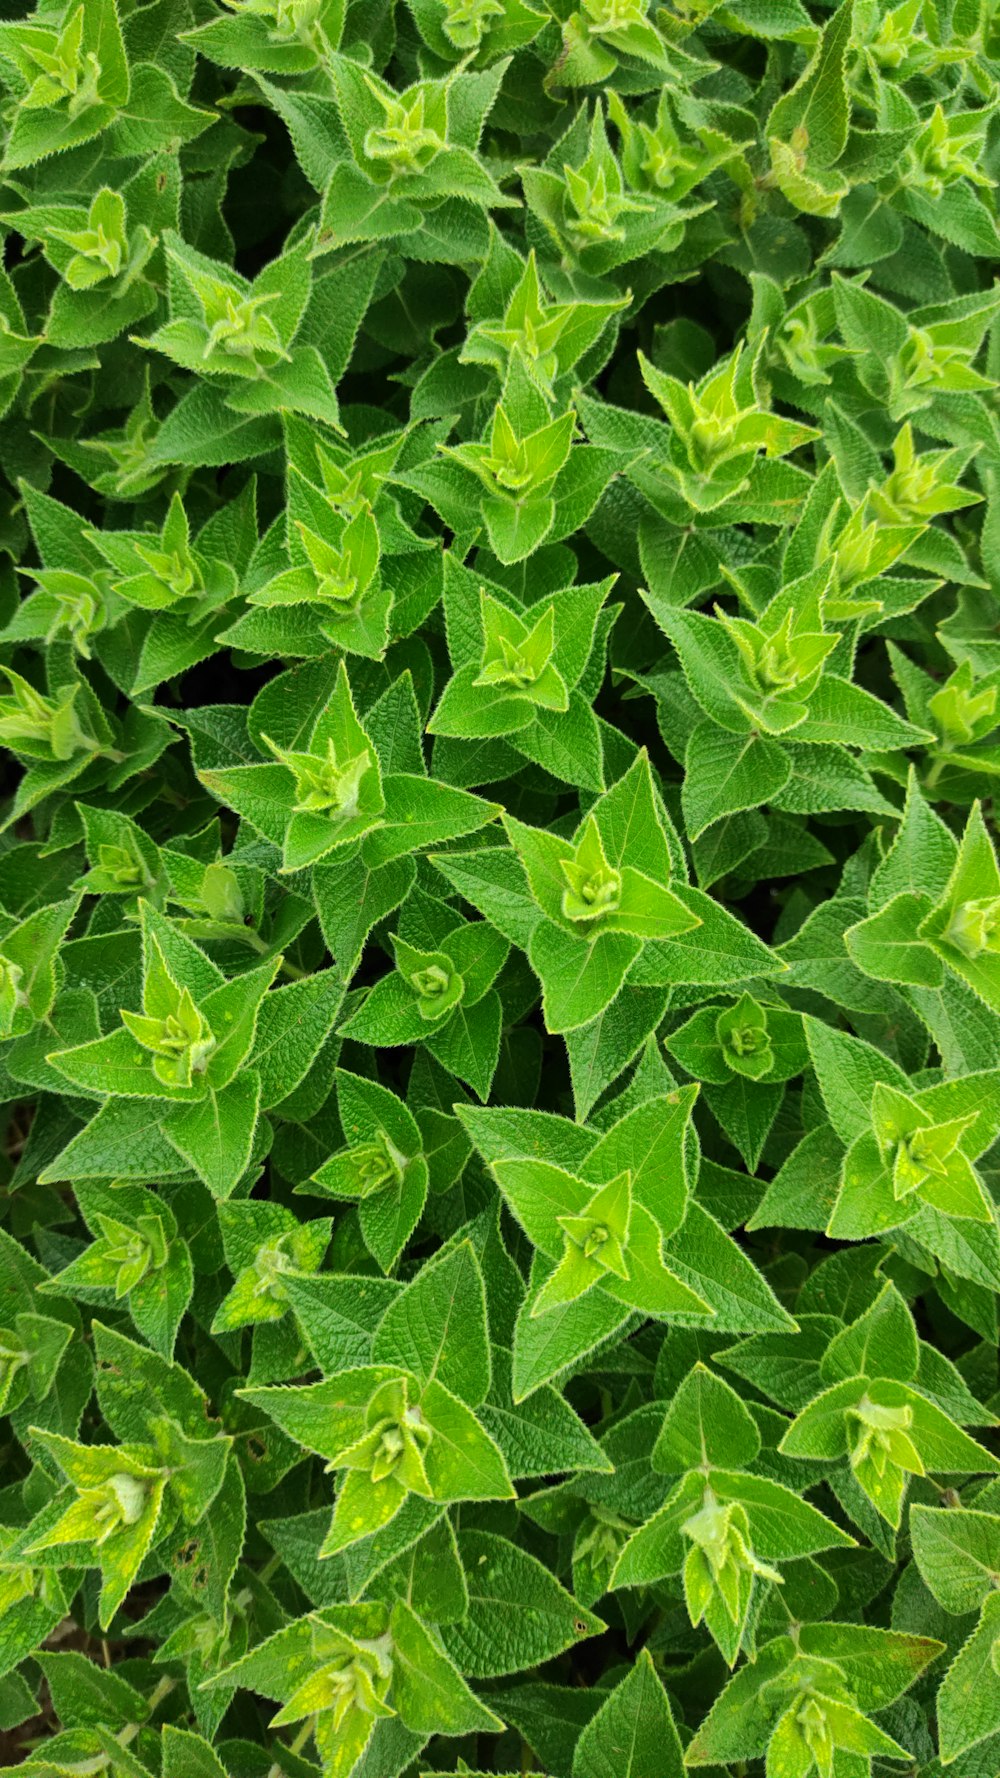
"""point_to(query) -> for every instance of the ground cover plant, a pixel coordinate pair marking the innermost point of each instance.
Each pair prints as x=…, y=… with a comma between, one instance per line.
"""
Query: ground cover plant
x=499, y=902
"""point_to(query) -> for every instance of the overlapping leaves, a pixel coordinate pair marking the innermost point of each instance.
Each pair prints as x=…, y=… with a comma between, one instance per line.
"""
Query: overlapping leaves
x=499, y=900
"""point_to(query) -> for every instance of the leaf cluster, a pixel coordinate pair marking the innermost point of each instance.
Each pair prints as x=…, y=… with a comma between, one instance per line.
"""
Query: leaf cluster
x=499, y=888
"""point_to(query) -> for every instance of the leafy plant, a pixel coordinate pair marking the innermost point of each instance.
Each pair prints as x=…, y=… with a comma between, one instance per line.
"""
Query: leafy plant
x=499, y=889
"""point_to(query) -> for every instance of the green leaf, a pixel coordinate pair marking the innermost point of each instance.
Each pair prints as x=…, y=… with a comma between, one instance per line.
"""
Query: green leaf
x=957, y=1551
x=82, y=1692
x=722, y=776
x=518, y=1614
x=436, y=1327
x=881, y=1343
x=706, y=1423
x=215, y=1135
x=633, y=1731
x=816, y=110
x=429, y=1691
x=968, y=1708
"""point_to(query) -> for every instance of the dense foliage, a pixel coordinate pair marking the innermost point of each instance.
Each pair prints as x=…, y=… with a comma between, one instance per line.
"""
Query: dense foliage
x=499, y=909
